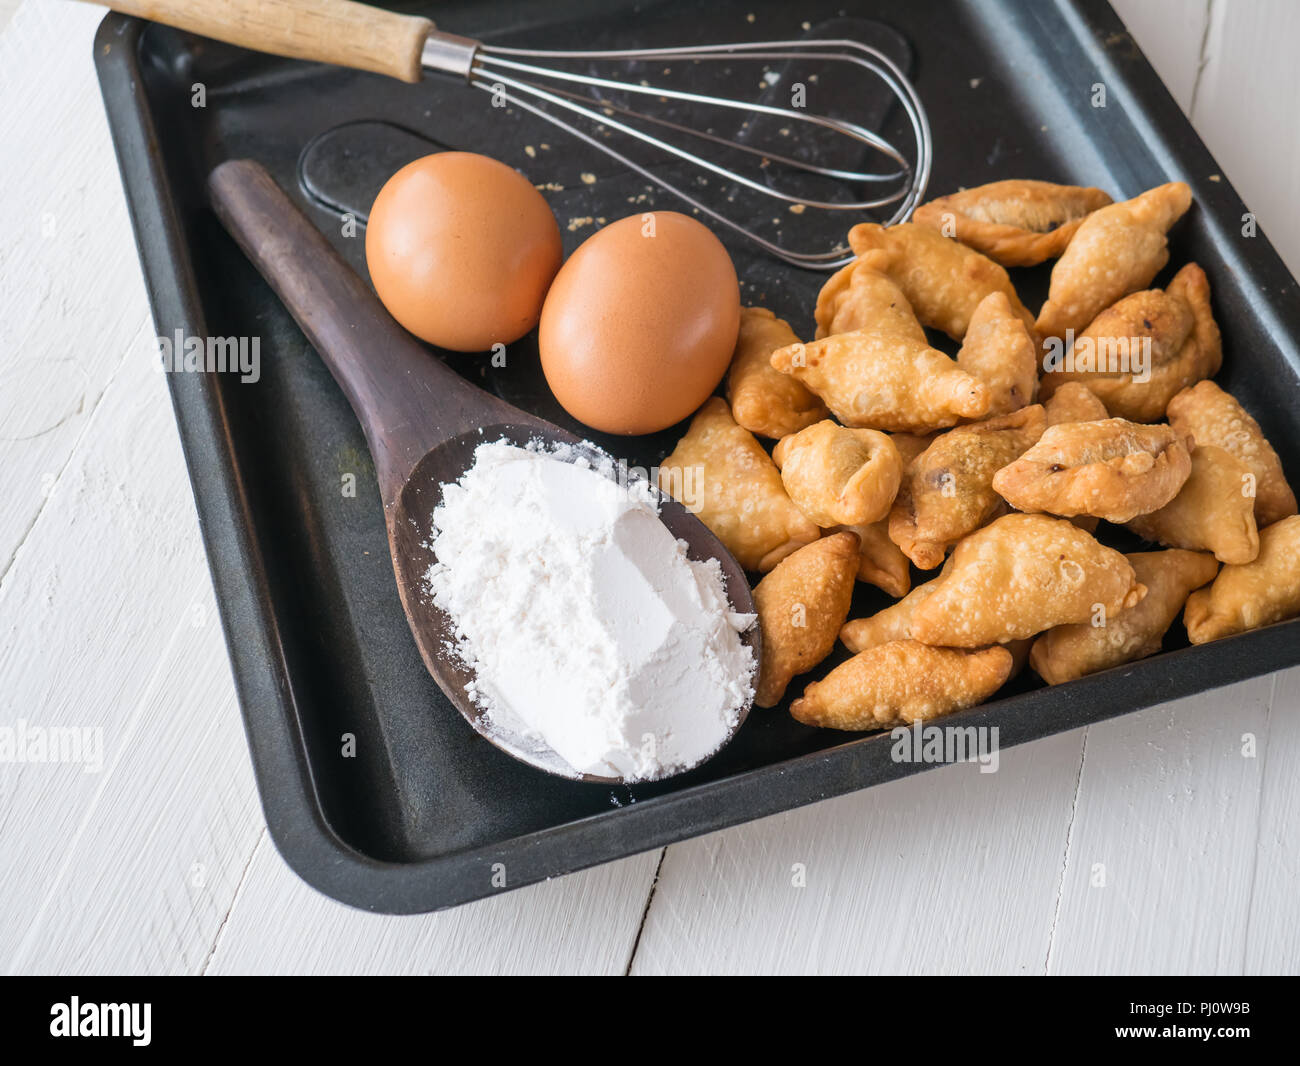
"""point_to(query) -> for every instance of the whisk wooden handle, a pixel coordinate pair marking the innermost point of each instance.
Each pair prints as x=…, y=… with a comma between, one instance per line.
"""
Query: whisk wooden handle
x=341, y=32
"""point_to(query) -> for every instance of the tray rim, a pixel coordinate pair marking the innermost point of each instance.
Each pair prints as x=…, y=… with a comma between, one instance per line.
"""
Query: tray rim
x=295, y=820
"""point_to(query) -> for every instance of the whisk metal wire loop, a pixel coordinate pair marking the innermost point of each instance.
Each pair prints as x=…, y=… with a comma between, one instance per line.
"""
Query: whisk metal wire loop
x=509, y=73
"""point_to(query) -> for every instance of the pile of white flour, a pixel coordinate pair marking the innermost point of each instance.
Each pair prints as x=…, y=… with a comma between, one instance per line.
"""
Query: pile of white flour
x=585, y=624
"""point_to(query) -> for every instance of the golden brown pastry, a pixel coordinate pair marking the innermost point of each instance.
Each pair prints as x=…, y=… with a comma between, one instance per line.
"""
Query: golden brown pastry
x=839, y=476
x=801, y=605
x=881, y=373
x=1214, y=511
x=877, y=379
x=1015, y=223
x=1213, y=416
x=944, y=281
x=719, y=471
x=1071, y=651
x=857, y=296
x=1072, y=402
x=1000, y=351
x=1019, y=575
x=1119, y=249
x=900, y=682
x=892, y=623
x=1179, y=345
x=1019, y=650
x=1112, y=469
x=881, y=562
x=1254, y=594
x=763, y=400
x=910, y=445
x=947, y=491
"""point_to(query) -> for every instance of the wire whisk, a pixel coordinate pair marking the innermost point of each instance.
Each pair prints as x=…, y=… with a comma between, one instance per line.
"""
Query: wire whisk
x=405, y=46
x=516, y=75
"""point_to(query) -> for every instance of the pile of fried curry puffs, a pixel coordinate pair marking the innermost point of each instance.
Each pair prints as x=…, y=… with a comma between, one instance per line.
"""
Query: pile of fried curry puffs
x=994, y=468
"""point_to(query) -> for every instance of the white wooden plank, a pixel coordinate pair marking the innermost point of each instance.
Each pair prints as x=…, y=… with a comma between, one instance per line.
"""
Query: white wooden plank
x=950, y=871
x=1273, y=935
x=7, y=9
x=73, y=293
x=1159, y=870
x=101, y=561
x=1246, y=111
x=107, y=623
x=1245, y=96
x=1171, y=34
x=585, y=923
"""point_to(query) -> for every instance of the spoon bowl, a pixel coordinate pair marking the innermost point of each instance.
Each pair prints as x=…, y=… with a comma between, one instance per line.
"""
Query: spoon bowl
x=432, y=628
x=422, y=422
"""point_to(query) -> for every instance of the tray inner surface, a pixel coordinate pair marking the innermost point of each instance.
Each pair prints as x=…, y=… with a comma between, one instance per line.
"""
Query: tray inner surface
x=422, y=783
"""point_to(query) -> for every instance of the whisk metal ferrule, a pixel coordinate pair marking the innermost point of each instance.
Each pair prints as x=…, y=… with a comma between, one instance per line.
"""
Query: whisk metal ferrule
x=448, y=53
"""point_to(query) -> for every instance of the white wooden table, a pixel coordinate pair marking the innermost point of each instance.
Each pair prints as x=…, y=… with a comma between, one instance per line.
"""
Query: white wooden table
x=161, y=861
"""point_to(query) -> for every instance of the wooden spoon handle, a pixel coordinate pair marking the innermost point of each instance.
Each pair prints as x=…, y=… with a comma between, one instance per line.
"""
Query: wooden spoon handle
x=341, y=32
x=407, y=400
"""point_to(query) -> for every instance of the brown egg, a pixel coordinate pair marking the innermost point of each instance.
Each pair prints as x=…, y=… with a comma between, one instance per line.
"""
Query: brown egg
x=640, y=323
x=461, y=250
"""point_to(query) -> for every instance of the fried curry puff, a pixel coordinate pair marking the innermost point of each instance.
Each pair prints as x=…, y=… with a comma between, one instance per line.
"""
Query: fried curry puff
x=943, y=280
x=722, y=473
x=1139, y=353
x=801, y=605
x=1016, y=223
x=1117, y=250
x=947, y=491
x=1070, y=651
x=839, y=476
x=982, y=481
x=1111, y=469
x=901, y=682
x=763, y=400
x=1020, y=575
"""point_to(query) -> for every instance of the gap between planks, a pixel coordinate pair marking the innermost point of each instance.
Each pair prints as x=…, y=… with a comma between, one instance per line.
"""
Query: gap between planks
x=1065, y=855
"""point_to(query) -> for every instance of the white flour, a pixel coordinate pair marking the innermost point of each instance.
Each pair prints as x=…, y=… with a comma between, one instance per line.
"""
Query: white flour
x=586, y=625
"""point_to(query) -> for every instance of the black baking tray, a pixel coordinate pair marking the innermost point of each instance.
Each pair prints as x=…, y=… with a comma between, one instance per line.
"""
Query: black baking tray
x=426, y=815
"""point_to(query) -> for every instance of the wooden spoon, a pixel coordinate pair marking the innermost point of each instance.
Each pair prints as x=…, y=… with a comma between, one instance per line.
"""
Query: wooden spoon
x=422, y=421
